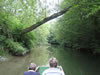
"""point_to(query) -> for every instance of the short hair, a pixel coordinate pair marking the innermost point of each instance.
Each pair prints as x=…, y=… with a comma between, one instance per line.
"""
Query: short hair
x=32, y=66
x=53, y=62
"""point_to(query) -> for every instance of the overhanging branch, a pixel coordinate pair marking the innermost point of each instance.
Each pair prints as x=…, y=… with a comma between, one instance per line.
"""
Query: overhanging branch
x=34, y=26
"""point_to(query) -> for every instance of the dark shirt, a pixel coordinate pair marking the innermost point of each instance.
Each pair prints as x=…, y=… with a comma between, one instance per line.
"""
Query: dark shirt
x=31, y=73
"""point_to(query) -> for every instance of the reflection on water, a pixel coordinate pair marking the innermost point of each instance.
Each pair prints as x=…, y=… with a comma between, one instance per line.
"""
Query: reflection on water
x=73, y=62
x=17, y=65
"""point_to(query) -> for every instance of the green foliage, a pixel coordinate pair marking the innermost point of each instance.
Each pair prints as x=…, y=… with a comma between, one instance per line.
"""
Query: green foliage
x=28, y=40
x=14, y=17
x=41, y=33
x=79, y=27
x=15, y=47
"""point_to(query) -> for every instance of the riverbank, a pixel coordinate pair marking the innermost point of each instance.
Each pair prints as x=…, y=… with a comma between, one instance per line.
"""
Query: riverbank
x=5, y=56
x=16, y=65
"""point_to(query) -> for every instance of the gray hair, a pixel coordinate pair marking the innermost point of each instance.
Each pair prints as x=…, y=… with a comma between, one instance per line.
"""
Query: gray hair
x=32, y=66
x=53, y=62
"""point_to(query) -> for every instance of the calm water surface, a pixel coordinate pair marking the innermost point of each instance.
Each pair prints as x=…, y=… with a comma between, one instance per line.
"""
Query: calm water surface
x=73, y=62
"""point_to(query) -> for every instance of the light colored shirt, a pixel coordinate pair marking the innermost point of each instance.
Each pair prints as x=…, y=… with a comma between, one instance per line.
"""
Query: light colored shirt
x=53, y=71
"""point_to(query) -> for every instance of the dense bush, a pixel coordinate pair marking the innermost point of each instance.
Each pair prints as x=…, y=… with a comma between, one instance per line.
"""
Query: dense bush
x=79, y=28
x=10, y=39
x=10, y=27
x=16, y=15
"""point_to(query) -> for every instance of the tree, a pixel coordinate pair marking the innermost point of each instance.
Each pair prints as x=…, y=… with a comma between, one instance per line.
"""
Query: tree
x=45, y=20
x=79, y=27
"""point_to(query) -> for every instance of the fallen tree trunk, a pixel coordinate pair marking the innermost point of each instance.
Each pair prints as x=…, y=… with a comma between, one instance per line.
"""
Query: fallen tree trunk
x=55, y=15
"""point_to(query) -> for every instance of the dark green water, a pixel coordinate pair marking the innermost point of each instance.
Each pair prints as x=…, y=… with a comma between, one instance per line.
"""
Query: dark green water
x=73, y=63
x=77, y=63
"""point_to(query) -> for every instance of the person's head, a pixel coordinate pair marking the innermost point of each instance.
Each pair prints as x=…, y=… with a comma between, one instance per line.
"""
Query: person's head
x=32, y=66
x=53, y=62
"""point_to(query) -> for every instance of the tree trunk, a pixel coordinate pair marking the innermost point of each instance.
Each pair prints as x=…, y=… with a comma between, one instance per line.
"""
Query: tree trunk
x=34, y=26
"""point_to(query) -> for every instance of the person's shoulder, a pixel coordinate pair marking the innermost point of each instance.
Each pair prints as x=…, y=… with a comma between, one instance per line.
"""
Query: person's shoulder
x=37, y=73
x=53, y=70
x=24, y=73
x=45, y=71
x=50, y=69
x=62, y=72
x=58, y=70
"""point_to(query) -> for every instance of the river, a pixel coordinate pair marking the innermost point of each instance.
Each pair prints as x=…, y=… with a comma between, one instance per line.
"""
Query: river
x=73, y=62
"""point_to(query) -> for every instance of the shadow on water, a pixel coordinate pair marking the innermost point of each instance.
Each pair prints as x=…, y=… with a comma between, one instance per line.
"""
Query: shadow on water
x=73, y=62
